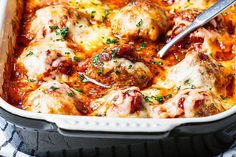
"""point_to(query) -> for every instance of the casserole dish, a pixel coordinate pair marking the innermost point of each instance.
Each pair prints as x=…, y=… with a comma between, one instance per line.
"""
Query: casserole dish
x=204, y=136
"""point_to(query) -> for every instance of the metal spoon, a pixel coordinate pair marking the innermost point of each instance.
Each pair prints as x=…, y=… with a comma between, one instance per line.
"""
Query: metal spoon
x=201, y=20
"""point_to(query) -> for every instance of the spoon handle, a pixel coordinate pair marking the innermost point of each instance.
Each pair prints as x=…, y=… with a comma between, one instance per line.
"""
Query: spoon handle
x=201, y=20
x=213, y=11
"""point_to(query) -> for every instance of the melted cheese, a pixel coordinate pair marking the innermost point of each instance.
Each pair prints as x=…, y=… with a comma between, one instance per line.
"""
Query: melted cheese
x=39, y=57
x=137, y=68
x=91, y=37
x=198, y=74
x=118, y=103
x=139, y=20
x=54, y=97
x=99, y=58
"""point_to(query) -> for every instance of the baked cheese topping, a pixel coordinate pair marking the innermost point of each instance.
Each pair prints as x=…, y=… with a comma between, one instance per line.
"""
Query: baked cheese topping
x=99, y=58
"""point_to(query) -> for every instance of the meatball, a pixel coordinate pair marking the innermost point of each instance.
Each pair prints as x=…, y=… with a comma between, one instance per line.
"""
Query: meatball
x=181, y=20
x=139, y=19
x=58, y=23
x=202, y=72
x=188, y=103
x=120, y=103
x=119, y=66
x=51, y=22
x=47, y=54
x=57, y=98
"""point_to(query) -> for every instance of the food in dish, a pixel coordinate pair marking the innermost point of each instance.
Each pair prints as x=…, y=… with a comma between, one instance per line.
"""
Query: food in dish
x=99, y=58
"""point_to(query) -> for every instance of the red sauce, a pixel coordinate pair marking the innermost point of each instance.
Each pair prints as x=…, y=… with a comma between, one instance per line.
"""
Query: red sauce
x=142, y=50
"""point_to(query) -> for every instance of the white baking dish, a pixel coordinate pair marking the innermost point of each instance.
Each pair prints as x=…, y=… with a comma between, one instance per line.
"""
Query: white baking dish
x=85, y=123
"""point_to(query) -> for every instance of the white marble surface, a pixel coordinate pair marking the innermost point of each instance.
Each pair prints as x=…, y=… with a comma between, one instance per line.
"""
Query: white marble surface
x=8, y=150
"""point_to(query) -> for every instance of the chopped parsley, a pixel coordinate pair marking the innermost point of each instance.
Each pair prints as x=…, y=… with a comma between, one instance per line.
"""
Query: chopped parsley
x=130, y=66
x=77, y=15
x=96, y=59
x=143, y=46
x=201, y=72
x=67, y=53
x=29, y=54
x=223, y=98
x=158, y=63
x=54, y=88
x=178, y=88
x=93, y=14
x=186, y=81
x=58, y=40
x=63, y=32
x=71, y=94
x=100, y=70
x=82, y=79
x=32, y=80
x=114, y=52
x=147, y=99
x=117, y=72
x=53, y=27
x=77, y=58
x=139, y=23
x=169, y=96
x=79, y=90
x=160, y=99
x=111, y=41
x=107, y=12
x=193, y=86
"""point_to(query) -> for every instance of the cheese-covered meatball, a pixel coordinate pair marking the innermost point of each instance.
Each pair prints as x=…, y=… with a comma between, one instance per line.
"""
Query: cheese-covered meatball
x=197, y=70
x=59, y=23
x=119, y=66
x=52, y=21
x=120, y=103
x=188, y=103
x=139, y=19
x=57, y=98
x=39, y=57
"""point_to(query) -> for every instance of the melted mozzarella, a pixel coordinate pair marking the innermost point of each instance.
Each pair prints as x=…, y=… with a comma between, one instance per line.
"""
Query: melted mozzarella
x=90, y=37
x=139, y=19
x=188, y=103
x=93, y=8
x=54, y=97
x=119, y=103
x=137, y=68
x=41, y=56
x=193, y=72
x=55, y=21
x=47, y=19
x=213, y=41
